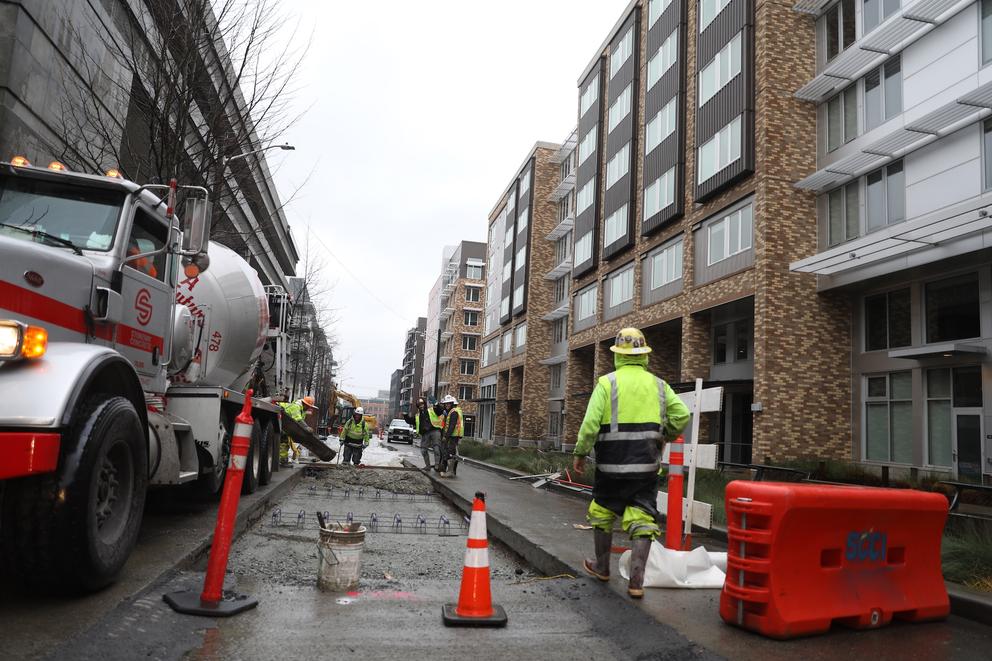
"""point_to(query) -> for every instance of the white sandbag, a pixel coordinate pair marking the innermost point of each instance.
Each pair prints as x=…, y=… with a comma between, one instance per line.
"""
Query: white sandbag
x=666, y=568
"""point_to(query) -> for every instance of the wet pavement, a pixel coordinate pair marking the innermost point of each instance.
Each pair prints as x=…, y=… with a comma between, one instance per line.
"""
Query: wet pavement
x=410, y=569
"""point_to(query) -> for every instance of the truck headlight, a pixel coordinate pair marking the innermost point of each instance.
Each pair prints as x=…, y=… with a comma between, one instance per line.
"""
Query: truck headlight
x=19, y=340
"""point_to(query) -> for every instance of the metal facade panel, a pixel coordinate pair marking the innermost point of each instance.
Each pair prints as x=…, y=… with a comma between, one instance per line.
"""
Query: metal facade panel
x=589, y=169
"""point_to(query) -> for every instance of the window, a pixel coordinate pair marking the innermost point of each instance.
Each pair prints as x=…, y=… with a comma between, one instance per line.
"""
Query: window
x=889, y=417
x=721, y=150
x=986, y=31
x=616, y=226
x=588, y=144
x=508, y=238
x=874, y=12
x=589, y=95
x=522, y=219
x=524, y=183
x=655, y=9
x=953, y=309
x=556, y=379
x=621, y=287
x=563, y=247
x=466, y=393
x=839, y=28
x=666, y=265
x=622, y=52
x=730, y=235
x=618, y=166
x=148, y=234
x=663, y=60
x=584, y=198
x=960, y=387
x=660, y=126
x=842, y=118
x=708, y=10
x=887, y=320
x=660, y=194
x=471, y=318
x=843, y=213
x=470, y=342
x=507, y=341
x=507, y=269
x=560, y=330
x=885, y=190
x=511, y=203
x=522, y=257
x=518, y=296
x=561, y=289
x=467, y=367
x=473, y=271
x=520, y=336
x=883, y=93
x=620, y=107
x=721, y=69
x=504, y=306
x=585, y=304
x=473, y=294
x=583, y=248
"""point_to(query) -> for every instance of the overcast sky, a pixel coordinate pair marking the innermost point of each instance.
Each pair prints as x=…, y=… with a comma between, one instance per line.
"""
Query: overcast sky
x=418, y=115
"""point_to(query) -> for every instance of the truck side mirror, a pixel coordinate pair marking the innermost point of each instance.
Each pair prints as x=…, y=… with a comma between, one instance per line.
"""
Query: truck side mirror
x=197, y=231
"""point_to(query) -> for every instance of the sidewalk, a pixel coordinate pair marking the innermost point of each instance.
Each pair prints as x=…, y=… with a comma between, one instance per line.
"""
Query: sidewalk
x=538, y=525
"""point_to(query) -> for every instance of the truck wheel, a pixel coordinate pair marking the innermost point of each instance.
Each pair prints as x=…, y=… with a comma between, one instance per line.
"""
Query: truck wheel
x=253, y=467
x=73, y=530
x=268, y=438
x=210, y=482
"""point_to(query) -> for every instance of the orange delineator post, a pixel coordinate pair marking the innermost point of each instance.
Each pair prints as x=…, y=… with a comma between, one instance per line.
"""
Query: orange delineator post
x=212, y=601
x=676, y=479
x=802, y=557
x=475, y=606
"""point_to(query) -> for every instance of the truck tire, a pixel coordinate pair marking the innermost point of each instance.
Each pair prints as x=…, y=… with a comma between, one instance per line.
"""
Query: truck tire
x=73, y=530
x=210, y=482
x=253, y=467
x=275, y=446
x=268, y=438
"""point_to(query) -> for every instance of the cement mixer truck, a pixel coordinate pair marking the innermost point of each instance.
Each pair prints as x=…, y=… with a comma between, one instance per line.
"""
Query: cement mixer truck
x=125, y=341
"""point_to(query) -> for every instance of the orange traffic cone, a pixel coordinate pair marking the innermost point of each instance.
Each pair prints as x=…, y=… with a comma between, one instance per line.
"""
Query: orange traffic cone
x=475, y=601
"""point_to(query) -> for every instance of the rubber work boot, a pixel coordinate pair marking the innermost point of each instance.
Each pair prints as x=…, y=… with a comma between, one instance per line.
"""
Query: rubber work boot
x=640, y=548
x=600, y=566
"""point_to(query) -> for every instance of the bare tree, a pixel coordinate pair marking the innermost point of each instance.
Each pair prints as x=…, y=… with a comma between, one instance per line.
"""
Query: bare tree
x=183, y=86
x=312, y=323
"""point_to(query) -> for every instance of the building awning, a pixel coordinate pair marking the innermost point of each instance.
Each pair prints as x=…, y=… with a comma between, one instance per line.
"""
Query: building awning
x=562, y=228
x=447, y=312
x=475, y=261
x=898, y=31
x=564, y=187
x=555, y=360
x=814, y=7
x=441, y=360
x=563, y=268
x=558, y=312
x=946, y=349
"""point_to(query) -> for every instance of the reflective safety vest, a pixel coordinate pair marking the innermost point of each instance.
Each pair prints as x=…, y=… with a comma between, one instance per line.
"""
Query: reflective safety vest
x=436, y=421
x=293, y=410
x=459, y=429
x=354, y=432
x=630, y=433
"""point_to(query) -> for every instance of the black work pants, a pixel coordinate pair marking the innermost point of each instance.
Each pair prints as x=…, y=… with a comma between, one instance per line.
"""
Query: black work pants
x=353, y=453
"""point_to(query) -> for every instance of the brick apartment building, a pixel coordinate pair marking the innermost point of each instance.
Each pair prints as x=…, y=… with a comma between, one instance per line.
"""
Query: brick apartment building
x=514, y=382
x=903, y=184
x=411, y=372
x=453, y=342
x=690, y=141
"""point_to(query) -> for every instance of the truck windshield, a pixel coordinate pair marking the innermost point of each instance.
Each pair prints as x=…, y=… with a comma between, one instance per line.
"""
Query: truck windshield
x=30, y=209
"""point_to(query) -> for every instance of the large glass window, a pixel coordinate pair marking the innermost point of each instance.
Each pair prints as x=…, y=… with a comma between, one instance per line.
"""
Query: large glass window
x=521, y=260
x=889, y=417
x=663, y=60
x=618, y=166
x=661, y=125
x=471, y=318
x=585, y=303
x=615, y=226
x=588, y=144
x=518, y=296
x=507, y=341
x=666, y=265
x=885, y=190
x=730, y=235
x=560, y=330
x=473, y=294
x=708, y=10
x=721, y=150
x=732, y=342
x=622, y=52
x=589, y=95
x=883, y=93
x=655, y=9
x=556, y=380
x=504, y=306
x=524, y=183
x=839, y=28
x=583, y=248
x=721, y=69
x=842, y=118
x=584, y=198
x=470, y=342
x=660, y=194
x=467, y=366
x=874, y=13
x=520, y=335
x=621, y=107
x=621, y=287
x=947, y=388
x=953, y=311
x=522, y=219
x=888, y=320
x=843, y=213
x=473, y=271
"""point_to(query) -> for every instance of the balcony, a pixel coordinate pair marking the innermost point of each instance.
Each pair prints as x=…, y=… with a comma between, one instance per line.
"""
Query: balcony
x=446, y=335
x=555, y=360
x=563, y=268
x=442, y=360
x=564, y=188
x=567, y=147
x=562, y=228
x=558, y=313
x=447, y=312
x=897, y=32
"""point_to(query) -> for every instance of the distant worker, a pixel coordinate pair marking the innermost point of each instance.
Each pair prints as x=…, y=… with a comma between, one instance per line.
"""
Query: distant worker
x=355, y=437
x=454, y=429
x=630, y=416
x=427, y=422
x=297, y=411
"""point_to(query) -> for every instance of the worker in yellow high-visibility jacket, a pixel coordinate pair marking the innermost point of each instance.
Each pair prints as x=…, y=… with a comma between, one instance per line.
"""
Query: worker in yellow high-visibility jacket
x=297, y=411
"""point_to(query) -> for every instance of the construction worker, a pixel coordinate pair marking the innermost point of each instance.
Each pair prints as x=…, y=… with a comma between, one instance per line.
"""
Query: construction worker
x=297, y=411
x=355, y=437
x=630, y=416
x=427, y=422
x=454, y=429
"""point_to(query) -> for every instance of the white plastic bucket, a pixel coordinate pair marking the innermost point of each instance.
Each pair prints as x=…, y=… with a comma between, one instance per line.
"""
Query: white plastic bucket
x=340, y=556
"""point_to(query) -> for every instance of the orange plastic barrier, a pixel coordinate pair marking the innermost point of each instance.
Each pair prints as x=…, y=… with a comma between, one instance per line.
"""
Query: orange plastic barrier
x=804, y=556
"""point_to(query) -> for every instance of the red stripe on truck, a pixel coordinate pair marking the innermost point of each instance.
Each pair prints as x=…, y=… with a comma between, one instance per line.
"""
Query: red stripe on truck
x=32, y=304
x=28, y=453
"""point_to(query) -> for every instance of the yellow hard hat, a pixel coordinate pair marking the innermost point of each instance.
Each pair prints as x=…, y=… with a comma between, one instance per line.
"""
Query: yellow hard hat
x=630, y=341
x=308, y=402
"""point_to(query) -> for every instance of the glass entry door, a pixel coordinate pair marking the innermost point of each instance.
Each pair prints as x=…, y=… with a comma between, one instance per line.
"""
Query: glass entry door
x=967, y=453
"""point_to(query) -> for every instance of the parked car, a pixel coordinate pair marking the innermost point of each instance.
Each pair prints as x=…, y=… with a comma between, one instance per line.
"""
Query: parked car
x=399, y=430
